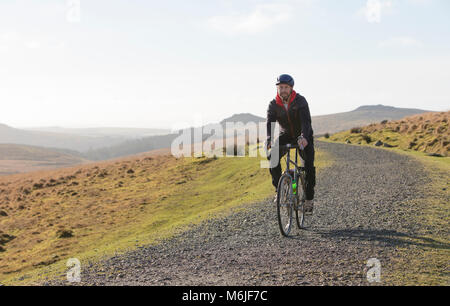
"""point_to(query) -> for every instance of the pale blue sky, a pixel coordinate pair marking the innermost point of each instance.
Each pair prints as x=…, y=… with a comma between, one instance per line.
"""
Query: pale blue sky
x=147, y=63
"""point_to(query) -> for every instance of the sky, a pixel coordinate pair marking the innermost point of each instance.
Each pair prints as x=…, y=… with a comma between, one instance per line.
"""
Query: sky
x=175, y=63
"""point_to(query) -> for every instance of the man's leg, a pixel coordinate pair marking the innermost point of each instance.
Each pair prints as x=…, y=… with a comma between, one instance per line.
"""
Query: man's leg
x=275, y=169
x=308, y=155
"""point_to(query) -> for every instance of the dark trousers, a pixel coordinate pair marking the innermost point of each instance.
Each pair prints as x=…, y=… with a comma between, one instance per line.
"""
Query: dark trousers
x=307, y=155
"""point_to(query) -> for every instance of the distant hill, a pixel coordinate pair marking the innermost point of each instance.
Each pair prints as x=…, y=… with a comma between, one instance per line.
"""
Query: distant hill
x=104, y=131
x=55, y=140
x=427, y=132
x=135, y=146
x=332, y=123
x=132, y=146
x=321, y=124
x=244, y=118
x=363, y=115
x=16, y=158
x=104, y=143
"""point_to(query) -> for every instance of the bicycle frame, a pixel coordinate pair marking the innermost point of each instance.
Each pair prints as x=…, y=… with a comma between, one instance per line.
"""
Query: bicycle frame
x=294, y=203
x=289, y=161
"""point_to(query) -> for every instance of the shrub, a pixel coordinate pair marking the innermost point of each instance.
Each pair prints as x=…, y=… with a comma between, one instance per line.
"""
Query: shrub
x=64, y=233
x=38, y=185
x=366, y=138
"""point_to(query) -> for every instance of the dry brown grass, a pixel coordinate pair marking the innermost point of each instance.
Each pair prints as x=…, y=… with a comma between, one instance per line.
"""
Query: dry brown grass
x=427, y=132
x=42, y=209
x=16, y=158
x=101, y=208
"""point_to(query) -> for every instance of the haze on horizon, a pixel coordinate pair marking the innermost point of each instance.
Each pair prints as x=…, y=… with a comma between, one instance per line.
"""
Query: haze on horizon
x=164, y=64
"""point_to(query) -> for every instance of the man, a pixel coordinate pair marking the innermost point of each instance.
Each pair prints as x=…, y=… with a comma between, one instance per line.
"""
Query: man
x=291, y=111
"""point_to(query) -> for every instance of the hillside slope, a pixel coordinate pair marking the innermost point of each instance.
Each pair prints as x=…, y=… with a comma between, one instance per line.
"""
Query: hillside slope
x=103, y=131
x=427, y=133
x=54, y=140
x=16, y=158
x=363, y=115
x=100, y=208
x=321, y=124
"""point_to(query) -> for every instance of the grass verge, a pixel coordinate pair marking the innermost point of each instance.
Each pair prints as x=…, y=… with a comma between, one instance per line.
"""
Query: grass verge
x=423, y=258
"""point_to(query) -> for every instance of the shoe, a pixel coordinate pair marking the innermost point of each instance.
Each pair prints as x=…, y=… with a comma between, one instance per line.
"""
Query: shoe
x=309, y=207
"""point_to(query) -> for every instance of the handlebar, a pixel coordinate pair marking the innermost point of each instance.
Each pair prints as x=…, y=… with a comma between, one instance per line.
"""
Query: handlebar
x=291, y=146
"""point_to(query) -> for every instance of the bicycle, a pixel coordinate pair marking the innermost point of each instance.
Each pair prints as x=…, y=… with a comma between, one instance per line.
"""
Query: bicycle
x=288, y=198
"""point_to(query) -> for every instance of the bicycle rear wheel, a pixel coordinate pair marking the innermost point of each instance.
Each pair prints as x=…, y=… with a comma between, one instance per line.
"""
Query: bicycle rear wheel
x=285, y=204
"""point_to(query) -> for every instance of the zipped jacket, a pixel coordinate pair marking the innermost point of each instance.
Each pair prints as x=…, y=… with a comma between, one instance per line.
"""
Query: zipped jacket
x=293, y=121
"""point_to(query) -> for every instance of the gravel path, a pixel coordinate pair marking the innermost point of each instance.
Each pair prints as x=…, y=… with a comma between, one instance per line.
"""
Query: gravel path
x=358, y=215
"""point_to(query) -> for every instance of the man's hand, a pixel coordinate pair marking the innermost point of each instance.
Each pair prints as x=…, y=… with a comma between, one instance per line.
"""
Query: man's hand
x=302, y=142
x=268, y=145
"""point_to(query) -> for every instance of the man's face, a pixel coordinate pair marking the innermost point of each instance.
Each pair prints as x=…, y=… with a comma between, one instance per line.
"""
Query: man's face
x=284, y=91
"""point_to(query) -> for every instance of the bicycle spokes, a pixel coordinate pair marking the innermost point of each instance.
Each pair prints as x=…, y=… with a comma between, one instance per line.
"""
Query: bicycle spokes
x=285, y=204
x=291, y=194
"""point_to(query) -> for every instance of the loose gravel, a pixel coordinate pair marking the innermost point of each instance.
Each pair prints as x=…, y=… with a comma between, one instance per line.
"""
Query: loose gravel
x=358, y=215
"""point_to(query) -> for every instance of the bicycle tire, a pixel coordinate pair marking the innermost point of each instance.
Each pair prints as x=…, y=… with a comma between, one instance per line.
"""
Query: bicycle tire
x=284, y=200
x=299, y=212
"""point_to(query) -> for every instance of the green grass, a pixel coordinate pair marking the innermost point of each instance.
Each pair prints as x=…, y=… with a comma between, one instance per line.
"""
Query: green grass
x=356, y=139
x=434, y=139
x=425, y=260
x=160, y=199
x=427, y=263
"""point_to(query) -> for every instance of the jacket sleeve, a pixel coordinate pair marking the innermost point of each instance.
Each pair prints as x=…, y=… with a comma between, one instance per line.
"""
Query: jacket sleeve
x=305, y=118
x=271, y=117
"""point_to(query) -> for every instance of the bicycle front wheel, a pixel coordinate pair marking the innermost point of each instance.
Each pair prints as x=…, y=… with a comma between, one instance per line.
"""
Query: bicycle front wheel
x=300, y=209
x=285, y=204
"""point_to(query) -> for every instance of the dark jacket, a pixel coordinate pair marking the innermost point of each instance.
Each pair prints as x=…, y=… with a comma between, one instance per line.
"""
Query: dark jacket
x=295, y=121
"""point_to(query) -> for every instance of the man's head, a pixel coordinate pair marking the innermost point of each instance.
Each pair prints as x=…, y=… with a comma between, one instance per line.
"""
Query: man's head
x=285, y=84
